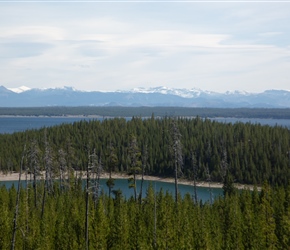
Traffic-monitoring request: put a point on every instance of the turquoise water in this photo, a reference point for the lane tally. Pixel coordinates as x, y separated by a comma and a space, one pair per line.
122, 184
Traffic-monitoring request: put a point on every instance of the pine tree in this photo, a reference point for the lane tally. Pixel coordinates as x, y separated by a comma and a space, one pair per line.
267, 221
135, 163
228, 185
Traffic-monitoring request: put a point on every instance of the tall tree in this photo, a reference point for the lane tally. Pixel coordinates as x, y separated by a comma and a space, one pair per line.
62, 168
266, 216
112, 163
34, 169
135, 163
48, 162
144, 165
17, 203
87, 201
194, 172
228, 184
96, 168
177, 154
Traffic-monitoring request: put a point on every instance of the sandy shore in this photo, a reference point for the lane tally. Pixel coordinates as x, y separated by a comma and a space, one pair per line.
15, 177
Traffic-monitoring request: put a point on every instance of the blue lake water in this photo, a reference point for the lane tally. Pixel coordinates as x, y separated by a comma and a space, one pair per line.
203, 193
10, 125
270, 122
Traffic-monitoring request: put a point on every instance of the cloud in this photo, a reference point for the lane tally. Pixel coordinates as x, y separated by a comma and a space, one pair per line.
22, 49
109, 46
35, 33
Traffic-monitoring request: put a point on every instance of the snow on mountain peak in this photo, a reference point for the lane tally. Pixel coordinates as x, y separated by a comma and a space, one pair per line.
237, 92
63, 88
19, 89
186, 93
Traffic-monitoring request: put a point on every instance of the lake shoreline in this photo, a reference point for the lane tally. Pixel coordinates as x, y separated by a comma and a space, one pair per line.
54, 116
15, 176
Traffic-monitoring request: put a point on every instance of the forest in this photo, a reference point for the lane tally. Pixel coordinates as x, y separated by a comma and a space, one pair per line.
251, 153
58, 212
68, 217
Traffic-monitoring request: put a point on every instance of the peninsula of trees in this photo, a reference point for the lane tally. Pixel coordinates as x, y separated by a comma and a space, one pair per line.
252, 153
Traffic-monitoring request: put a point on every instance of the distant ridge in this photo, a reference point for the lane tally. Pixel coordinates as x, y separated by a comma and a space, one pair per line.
158, 96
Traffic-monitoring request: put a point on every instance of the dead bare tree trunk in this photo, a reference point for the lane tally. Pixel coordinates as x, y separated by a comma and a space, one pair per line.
208, 153
69, 158
48, 160
113, 160
87, 210
97, 181
194, 170
62, 168
48, 186
177, 152
155, 218
96, 169
87, 202
134, 154
27, 200
209, 184
224, 165
34, 168
35, 186
144, 164
17, 205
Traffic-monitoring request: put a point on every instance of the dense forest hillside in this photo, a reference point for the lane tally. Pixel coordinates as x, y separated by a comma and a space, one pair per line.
250, 153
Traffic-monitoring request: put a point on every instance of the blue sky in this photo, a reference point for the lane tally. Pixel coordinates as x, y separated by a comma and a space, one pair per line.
216, 46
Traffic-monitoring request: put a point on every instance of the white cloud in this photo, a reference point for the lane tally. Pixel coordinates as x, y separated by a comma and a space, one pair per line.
120, 46
32, 33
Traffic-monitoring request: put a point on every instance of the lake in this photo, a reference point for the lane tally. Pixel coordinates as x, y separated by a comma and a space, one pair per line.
203, 193
10, 125
13, 124
270, 122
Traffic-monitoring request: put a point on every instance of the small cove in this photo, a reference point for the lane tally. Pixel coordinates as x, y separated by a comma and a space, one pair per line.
203, 193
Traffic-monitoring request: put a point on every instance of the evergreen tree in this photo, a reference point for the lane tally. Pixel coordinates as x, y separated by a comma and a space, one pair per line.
228, 185
135, 163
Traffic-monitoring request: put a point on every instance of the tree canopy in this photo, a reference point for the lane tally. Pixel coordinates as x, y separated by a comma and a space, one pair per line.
255, 153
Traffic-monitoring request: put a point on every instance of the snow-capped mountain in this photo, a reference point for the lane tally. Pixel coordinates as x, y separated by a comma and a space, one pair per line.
186, 93
20, 89
158, 96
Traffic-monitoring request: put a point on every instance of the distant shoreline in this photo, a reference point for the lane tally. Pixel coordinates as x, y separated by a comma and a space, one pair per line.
146, 111
54, 116
15, 177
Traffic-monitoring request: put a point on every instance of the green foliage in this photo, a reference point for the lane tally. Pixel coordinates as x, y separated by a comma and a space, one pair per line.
228, 186
244, 220
254, 153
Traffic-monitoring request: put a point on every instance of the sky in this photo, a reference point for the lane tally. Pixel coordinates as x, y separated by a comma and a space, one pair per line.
120, 45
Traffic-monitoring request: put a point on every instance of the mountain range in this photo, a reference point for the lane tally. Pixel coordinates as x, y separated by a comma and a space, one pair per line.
158, 96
